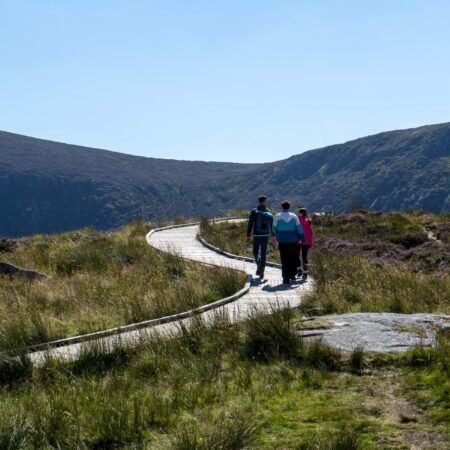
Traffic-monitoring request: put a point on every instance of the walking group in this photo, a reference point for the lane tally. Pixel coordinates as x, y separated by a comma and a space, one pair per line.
293, 233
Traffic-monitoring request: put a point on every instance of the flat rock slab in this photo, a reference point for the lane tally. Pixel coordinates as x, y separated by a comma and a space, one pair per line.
380, 332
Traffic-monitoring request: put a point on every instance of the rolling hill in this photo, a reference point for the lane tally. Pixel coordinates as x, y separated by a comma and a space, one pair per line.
48, 187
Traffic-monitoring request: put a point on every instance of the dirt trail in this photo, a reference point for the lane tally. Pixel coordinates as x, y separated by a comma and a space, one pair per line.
390, 399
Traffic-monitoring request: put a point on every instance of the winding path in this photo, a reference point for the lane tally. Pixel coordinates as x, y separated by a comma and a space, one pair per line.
375, 332
265, 295
262, 296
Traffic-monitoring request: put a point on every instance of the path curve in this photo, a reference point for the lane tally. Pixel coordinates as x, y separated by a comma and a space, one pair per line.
385, 332
264, 296
375, 332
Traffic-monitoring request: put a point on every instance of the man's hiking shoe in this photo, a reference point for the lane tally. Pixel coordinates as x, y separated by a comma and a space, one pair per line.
299, 272
261, 273
258, 270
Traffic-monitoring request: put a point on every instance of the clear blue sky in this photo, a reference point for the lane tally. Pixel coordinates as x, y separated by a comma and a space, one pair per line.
234, 80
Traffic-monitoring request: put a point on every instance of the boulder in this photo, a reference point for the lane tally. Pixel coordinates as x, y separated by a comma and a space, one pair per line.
16, 272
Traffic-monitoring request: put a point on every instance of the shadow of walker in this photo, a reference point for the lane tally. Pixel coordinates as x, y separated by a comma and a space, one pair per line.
283, 287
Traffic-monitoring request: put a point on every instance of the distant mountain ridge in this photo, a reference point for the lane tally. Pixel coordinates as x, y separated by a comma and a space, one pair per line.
48, 186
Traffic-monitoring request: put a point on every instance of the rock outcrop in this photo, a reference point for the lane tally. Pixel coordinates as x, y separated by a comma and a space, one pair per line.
16, 272
379, 332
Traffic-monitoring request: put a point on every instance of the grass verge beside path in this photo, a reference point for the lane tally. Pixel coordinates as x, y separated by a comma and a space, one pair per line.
254, 385
366, 261
99, 281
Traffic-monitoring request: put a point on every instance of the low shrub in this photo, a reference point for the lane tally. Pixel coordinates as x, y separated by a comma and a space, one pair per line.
272, 336
321, 356
357, 360
15, 368
234, 430
343, 439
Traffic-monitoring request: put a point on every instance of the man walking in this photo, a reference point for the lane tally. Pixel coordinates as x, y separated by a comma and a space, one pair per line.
288, 232
260, 226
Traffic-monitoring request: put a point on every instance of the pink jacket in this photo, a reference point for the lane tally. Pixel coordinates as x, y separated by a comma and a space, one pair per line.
305, 222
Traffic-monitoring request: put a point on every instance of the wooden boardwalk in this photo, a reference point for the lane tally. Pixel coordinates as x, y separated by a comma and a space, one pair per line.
263, 295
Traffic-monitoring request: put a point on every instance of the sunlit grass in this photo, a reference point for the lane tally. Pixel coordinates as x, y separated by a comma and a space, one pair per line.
98, 281
353, 284
349, 280
205, 389
254, 385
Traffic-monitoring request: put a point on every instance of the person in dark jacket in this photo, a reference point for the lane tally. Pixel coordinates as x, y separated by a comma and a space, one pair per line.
260, 226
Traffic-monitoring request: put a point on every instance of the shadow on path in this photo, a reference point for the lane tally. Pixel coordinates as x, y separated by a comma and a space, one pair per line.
283, 287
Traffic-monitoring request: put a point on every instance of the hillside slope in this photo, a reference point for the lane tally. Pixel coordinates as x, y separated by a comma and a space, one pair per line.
389, 171
48, 186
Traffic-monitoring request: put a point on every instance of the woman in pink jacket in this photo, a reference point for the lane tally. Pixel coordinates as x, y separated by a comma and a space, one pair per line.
305, 245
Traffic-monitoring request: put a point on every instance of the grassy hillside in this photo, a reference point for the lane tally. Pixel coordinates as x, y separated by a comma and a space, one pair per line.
52, 187
366, 261
99, 280
396, 170
255, 385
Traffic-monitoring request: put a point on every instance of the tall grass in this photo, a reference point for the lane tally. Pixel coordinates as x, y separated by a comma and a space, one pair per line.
14, 429
202, 390
232, 431
15, 368
254, 385
272, 336
357, 360
344, 439
352, 283
101, 280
